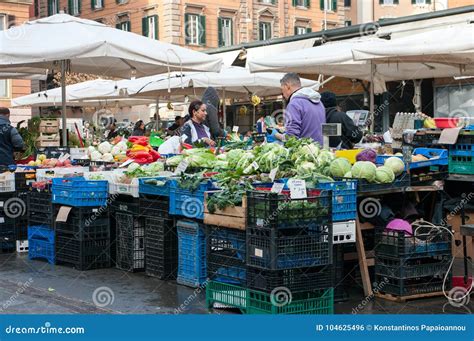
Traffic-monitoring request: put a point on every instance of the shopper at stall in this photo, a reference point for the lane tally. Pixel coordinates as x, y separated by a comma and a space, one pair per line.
304, 113
174, 129
211, 99
195, 129
139, 129
112, 132
10, 139
350, 133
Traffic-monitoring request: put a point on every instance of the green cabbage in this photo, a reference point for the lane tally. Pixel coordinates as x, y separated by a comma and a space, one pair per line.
395, 164
348, 175
340, 167
325, 157
306, 168
364, 170
384, 175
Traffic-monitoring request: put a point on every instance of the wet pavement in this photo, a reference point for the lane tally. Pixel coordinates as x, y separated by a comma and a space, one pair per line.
36, 287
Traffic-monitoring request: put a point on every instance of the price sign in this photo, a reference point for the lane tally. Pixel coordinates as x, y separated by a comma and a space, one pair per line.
235, 129
273, 173
277, 187
183, 165
297, 188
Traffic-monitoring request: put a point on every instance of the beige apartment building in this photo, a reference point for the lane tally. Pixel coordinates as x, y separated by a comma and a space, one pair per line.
205, 24
14, 12
363, 11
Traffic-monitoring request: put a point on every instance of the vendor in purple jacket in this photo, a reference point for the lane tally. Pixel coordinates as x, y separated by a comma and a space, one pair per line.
304, 113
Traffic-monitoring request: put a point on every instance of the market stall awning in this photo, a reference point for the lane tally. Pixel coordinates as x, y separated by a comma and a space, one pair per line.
453, 45
97, 93
24, 73
92, 47
236, 82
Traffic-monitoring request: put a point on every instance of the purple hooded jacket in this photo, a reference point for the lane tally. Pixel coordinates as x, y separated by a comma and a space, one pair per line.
305, 114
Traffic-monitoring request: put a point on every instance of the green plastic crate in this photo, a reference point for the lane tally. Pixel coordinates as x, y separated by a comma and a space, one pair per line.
461, 165
320, 302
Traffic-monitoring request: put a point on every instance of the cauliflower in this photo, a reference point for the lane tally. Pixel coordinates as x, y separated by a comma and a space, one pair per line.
96, 155
90, 150
115, 150
104, 147
122, 145
107, 157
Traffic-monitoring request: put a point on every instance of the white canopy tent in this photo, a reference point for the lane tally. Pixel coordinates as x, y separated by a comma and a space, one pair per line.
86, 46
96, 93
23, 73
231, 82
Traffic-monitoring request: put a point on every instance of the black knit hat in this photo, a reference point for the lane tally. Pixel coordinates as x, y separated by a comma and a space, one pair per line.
329, 99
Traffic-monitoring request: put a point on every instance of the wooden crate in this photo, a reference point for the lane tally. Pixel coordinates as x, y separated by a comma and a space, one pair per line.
455, 222
49, 126
48, 140
231, 217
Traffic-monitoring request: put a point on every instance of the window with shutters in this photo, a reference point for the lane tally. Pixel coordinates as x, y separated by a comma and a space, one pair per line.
225, 28
123, 25
74, 7
53, 7
271, 2
195, 29
120, 2
150, 26
265, 30
301, 3
348, 23
347, 3
388, 2
328, 5
302, 30
97, 4
421, 2
3, 82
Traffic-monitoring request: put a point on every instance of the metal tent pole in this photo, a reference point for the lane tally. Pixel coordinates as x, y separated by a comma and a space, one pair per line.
224, 109
372, 100
63, 100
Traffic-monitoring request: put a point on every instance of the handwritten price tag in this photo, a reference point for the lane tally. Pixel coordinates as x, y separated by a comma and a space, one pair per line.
277, 187
297, 188
183, 165
273, 173
235, 129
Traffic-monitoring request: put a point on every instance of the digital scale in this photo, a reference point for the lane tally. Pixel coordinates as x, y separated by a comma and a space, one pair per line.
330, 129
359, 117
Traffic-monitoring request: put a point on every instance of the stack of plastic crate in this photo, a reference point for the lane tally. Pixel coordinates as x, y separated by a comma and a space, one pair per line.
24, 177
407, 265
161, 241
192, 270
128, 239
461, 154
9, 209
41, 242
83, 239
288, 257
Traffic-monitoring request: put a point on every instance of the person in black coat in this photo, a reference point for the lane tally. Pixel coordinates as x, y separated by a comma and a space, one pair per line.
139, 129
210, 98
10, 139
350, 133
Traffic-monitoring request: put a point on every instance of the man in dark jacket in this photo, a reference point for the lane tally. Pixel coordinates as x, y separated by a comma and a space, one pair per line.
10, 139
210, 98
350, 133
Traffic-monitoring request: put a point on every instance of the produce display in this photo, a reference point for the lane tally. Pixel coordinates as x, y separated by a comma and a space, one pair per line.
43, 162
140, 151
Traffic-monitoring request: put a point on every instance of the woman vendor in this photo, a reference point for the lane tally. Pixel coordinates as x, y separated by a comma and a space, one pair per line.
195, 129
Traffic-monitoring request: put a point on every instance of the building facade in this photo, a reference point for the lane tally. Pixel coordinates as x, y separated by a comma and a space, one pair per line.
14, 12
205, 24
364, 11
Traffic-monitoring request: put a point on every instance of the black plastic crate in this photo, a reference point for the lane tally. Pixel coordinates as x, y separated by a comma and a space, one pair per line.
35, 218
154, 206
426, 139
273, 249
7, 236
426, 175
412, 267
40, 202
83, 254
267, 209
23, 180
85, 222
130, 243
126, 204
161, 248
413, 286
296, 280
226, 255
426, 243
363, 186
21, 215
340, 292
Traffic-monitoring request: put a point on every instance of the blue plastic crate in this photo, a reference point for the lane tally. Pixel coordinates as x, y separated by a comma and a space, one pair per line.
344, 198
189, 204
192, 270
79, 192
41, 249
41, 232
442, 160
461, 150
144, 188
